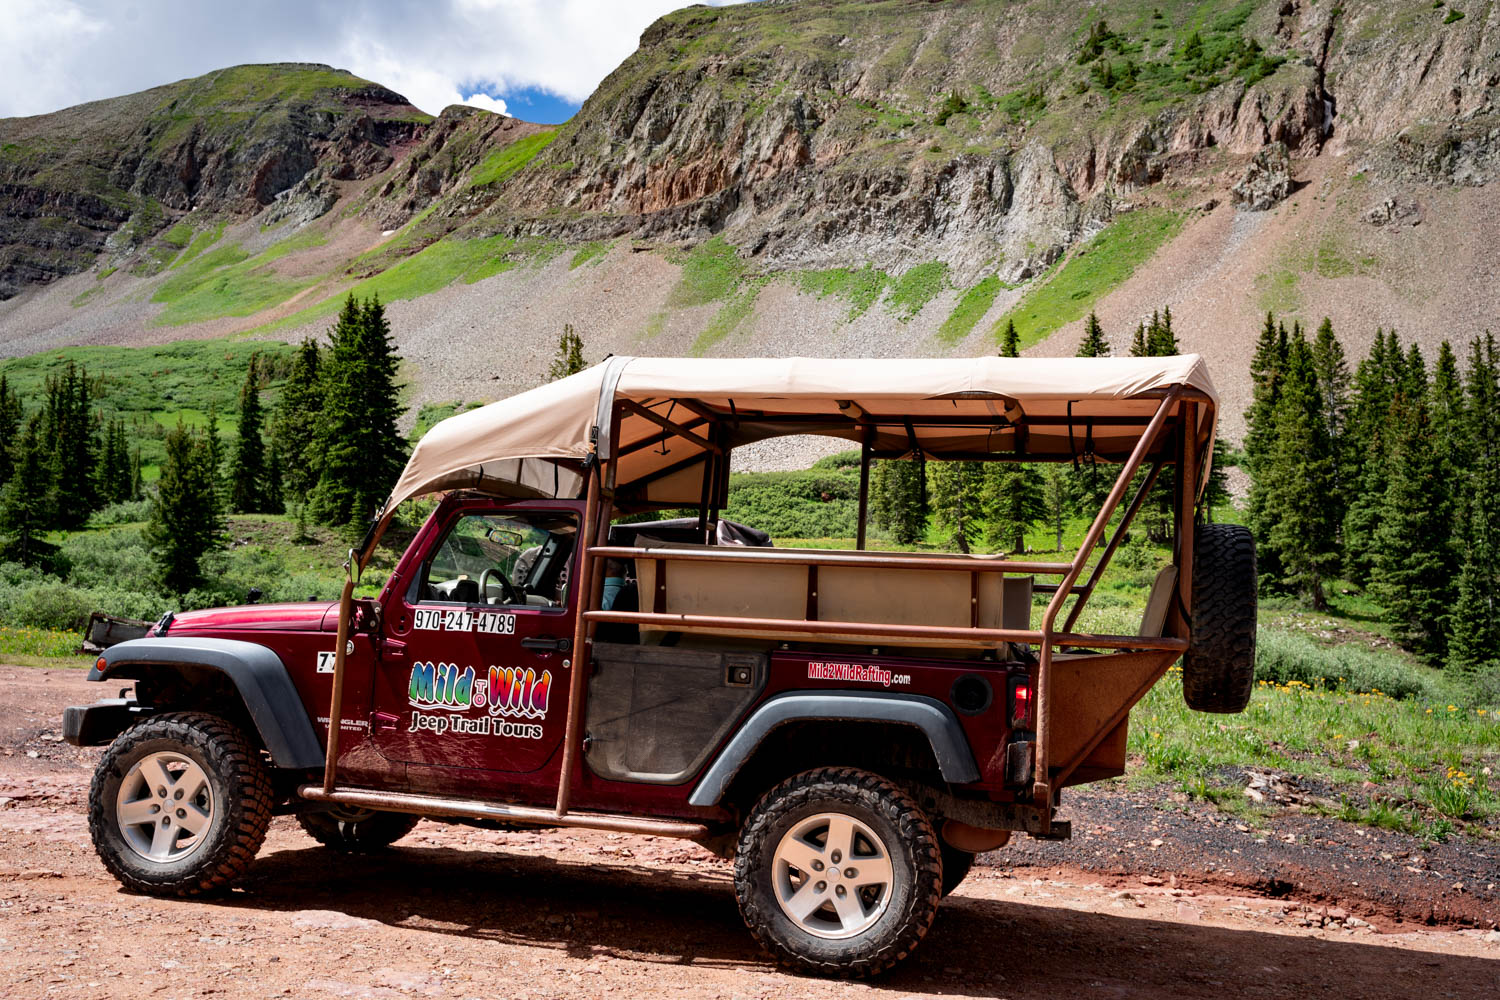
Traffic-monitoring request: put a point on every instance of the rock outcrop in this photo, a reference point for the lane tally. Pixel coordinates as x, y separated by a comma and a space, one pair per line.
1267, 180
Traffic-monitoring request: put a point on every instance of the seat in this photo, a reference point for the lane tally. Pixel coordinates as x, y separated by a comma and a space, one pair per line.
1160, 600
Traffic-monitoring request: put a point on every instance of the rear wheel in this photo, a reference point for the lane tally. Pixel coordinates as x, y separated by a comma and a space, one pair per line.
838, 872
1218, 670
356, 830
179, 805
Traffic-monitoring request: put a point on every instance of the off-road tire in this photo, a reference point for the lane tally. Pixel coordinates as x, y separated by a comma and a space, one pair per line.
1218, 670
908, 838
242, 797
956, 865
359, 833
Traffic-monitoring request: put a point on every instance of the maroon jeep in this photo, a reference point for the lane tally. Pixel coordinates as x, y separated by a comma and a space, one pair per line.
851, 727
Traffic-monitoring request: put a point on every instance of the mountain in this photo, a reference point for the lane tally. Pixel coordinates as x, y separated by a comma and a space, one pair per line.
859, 177
111, 175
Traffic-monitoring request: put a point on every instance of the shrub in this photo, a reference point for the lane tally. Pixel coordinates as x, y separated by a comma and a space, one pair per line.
1283, 656
114, 558
839, 460
817, 503
51, 605
953, 104
126, 512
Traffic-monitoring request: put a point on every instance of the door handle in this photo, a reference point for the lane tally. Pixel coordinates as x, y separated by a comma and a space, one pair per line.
546, 644
384, 720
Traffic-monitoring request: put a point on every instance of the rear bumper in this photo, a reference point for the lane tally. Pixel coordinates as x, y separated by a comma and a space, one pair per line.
98, 724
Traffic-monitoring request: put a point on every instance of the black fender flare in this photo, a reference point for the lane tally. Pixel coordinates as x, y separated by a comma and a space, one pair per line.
949, 745
256, 672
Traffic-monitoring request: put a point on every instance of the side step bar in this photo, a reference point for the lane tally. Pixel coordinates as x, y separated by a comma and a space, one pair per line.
434, 805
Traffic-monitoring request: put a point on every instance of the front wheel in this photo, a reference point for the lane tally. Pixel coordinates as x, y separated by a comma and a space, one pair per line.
838, 873
179, 805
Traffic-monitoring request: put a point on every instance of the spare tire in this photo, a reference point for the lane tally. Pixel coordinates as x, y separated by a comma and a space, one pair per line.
1218, 670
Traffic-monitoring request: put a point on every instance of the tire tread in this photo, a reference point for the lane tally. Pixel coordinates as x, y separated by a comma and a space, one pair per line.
1218, 670
877, 794
249, 813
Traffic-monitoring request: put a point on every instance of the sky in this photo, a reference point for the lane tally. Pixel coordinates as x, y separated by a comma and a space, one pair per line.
535, 59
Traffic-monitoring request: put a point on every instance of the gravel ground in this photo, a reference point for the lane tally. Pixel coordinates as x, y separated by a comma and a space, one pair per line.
458, 912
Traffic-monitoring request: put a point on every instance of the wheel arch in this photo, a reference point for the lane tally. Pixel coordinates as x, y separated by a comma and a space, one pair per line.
912, 732
252, 676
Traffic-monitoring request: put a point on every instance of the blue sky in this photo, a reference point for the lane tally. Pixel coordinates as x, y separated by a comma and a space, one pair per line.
542, 56
531, 103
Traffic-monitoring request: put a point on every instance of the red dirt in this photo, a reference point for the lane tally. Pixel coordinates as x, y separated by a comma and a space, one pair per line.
460, 912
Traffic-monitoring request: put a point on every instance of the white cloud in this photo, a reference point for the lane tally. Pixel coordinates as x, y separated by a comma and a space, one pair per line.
488, 103
54, 53
35, 74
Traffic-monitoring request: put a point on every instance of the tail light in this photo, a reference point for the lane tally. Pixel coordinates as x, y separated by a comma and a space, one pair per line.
1022, 700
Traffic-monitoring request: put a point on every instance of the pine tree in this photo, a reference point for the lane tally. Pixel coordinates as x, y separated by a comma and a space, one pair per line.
1216, 493
1449, 427
1161, 341
1294, 520
184, 520
1332, 369
247, 477
898, 499
114, 464
1265, 382
137, 485
1094, 344
26, 500
363, 455
275, 502
1010, 341
214, 456
1138, 344
68, 428
1267, 372
1367, 451
298, 419
569, 357
1474, 631
1012, 499
1056, 497
10, 425
956, 495
1415, 565
1014, 502
1086, 487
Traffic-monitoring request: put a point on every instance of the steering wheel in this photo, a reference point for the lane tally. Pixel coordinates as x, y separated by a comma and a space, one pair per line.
507, 589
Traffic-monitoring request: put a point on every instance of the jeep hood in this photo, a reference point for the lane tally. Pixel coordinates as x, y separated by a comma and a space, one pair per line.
303, 617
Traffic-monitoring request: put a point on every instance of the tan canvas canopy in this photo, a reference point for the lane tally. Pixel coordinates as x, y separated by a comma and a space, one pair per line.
667, 424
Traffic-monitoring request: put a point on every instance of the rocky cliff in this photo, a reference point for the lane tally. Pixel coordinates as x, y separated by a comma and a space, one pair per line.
824, 131
117, 173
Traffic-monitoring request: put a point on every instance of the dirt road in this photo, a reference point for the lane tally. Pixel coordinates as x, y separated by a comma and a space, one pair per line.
457, 912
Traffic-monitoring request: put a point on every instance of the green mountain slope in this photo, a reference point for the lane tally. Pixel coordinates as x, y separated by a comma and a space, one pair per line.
811, 176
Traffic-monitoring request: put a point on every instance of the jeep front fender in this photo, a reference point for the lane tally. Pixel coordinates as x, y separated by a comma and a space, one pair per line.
257, 674
949, 746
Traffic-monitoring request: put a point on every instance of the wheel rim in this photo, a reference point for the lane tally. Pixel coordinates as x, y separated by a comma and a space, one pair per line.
833, 876
349, 815
164, 806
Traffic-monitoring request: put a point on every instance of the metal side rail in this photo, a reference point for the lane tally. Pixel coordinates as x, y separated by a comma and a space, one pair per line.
436, 805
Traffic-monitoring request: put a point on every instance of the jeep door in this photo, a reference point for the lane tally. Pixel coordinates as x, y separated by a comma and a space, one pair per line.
474, 671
